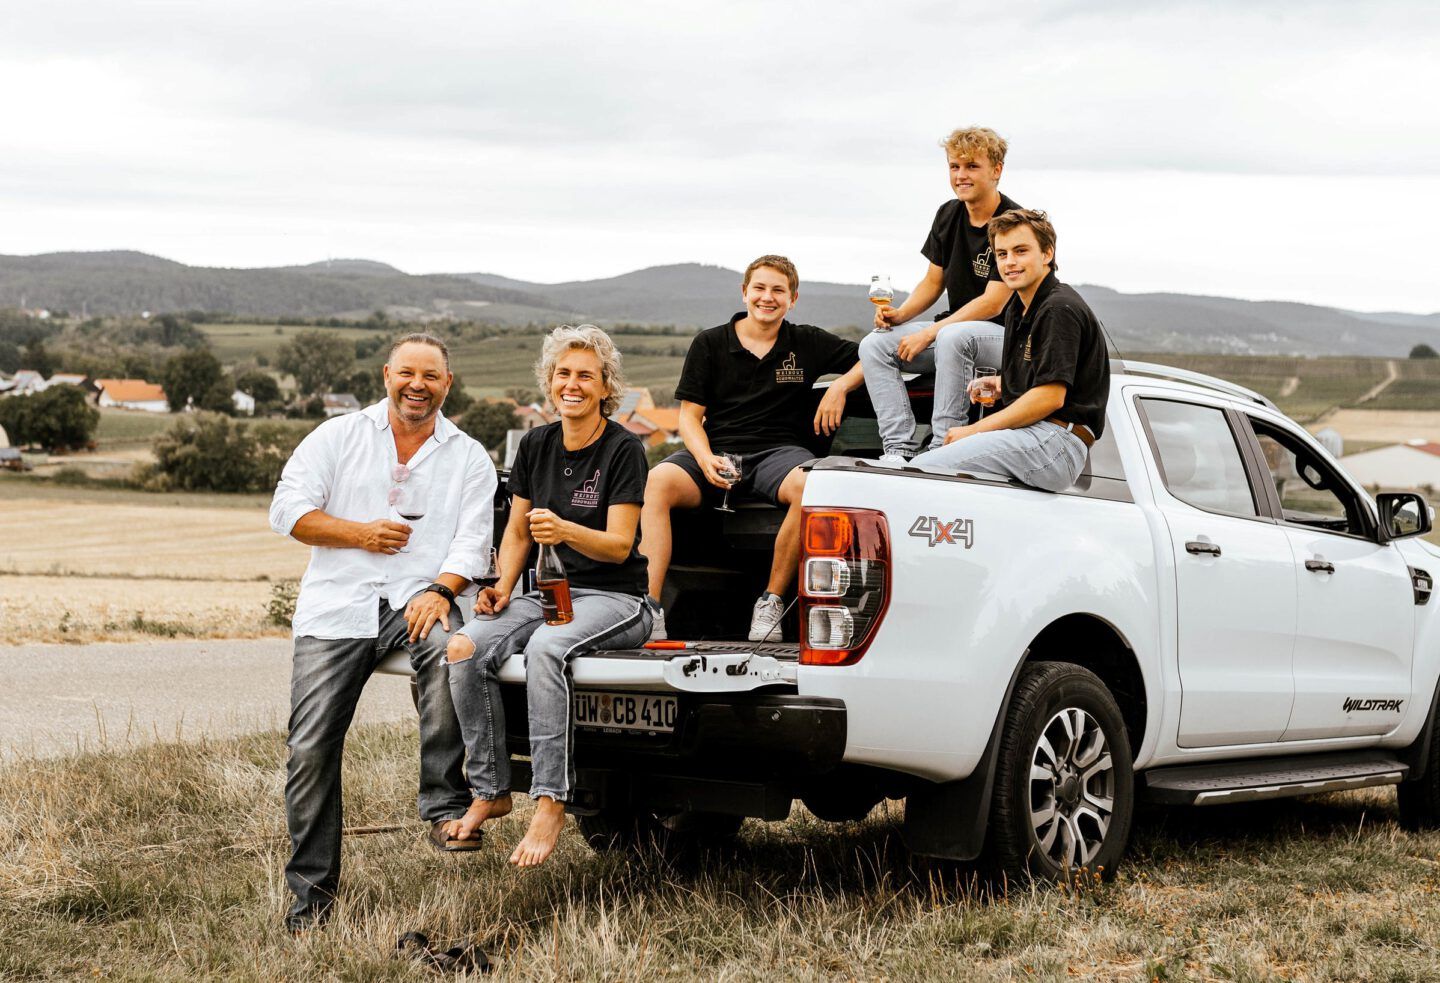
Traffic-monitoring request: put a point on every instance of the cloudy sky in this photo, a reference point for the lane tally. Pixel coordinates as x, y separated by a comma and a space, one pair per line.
1272, 149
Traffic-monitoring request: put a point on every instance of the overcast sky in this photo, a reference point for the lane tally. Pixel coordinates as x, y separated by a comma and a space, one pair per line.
1258, 149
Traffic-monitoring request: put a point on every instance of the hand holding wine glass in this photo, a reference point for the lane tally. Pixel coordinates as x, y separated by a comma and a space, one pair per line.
489, 600
730, 470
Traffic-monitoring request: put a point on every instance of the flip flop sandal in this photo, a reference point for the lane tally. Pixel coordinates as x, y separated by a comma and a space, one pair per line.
446, 844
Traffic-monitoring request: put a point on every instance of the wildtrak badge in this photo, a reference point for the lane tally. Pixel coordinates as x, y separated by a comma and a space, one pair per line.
1351, 705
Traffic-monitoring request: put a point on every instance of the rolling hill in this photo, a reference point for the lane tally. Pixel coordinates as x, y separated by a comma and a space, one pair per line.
687, 294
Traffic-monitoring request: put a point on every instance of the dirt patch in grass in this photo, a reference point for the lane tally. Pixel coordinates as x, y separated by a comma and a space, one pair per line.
167, 860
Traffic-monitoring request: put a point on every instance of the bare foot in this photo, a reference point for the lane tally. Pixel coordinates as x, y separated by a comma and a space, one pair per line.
480, 811
544, 832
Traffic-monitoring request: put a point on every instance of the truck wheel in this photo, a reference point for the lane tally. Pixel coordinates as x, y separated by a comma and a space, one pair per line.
1064, 786
636, 831
1419, 800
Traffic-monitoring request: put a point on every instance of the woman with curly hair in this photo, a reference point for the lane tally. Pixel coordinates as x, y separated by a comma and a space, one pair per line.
577, 484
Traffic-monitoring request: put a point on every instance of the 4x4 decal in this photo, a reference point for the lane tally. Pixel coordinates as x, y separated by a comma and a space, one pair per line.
937, 531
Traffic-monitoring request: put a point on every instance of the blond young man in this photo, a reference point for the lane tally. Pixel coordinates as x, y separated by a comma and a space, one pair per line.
968, 333
746, 389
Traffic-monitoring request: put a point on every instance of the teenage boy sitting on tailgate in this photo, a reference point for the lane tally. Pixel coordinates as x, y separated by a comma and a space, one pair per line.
1054, 375
746, 389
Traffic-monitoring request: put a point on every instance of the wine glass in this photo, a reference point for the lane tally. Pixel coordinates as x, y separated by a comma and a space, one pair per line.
489, 573
410, 499
986, 392
881, 294
730, 470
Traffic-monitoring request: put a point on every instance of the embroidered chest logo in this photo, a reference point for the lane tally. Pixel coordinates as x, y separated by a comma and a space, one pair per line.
588, 495
981, 263
788, 371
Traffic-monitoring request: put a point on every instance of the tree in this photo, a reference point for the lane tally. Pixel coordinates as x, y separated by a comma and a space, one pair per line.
191, 375
211, 452
260, 385
59, 418
458, 400
487, 423
317, 359
9, 356
1424, 351
366, 385
36, 357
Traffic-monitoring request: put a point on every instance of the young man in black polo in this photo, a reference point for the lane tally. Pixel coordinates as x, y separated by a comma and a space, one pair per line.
969, 333
1055, 371
746, 389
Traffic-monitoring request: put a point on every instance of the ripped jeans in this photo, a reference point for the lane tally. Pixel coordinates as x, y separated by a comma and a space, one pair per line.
603, 619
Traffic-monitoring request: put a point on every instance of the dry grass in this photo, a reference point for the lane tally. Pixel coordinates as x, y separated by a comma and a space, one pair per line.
165, 863
118, 609
130, 536
87, 565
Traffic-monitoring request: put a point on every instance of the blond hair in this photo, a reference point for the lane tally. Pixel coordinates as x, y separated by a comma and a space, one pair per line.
586, 337
974, 142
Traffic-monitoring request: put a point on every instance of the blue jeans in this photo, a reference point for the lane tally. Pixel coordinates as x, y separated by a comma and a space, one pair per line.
603, 619
1042, 455
325, 684
958, 348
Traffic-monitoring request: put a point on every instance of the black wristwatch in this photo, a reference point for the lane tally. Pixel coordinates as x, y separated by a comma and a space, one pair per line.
443, 591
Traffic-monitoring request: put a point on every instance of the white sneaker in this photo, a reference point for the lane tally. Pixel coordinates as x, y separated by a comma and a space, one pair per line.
765, 621
657, 624
892, 460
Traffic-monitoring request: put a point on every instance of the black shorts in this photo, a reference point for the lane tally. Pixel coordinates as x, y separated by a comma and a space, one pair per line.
761, 472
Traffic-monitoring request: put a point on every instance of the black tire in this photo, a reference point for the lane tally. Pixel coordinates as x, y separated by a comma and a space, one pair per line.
1419, 800
1057, 826
611, 830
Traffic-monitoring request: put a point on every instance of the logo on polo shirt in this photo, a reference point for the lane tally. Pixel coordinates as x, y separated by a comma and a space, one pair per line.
788, 372
587, 496
981, 263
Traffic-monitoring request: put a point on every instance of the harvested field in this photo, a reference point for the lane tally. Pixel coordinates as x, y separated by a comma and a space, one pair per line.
88, 565
166, 861
1382, 426
146, 536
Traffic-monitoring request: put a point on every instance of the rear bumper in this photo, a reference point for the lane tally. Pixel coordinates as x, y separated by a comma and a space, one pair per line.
732, 735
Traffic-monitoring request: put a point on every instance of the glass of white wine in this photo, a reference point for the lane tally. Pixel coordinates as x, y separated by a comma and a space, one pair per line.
882, 295
730, 470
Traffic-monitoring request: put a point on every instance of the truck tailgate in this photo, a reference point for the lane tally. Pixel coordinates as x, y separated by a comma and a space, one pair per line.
701, 667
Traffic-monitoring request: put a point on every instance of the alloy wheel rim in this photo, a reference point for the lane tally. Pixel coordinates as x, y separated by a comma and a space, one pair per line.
1072, 789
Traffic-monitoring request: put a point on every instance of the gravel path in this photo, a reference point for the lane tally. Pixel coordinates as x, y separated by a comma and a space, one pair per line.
61, 698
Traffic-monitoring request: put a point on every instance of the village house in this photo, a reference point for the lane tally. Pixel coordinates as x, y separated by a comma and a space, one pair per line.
1412, 465
132, 394
338, 404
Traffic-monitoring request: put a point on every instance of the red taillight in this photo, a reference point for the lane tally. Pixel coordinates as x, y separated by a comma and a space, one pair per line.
844, 583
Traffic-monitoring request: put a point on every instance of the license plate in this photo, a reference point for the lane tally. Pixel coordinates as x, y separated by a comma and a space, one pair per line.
652, 713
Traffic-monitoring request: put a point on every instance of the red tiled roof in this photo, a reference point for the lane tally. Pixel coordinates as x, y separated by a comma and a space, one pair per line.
131, 390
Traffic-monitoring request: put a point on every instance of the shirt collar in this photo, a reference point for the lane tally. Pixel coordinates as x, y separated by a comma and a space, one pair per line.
732, 337
379, 414
1046, 288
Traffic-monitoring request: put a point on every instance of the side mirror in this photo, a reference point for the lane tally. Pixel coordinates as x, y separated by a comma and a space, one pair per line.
1402, 515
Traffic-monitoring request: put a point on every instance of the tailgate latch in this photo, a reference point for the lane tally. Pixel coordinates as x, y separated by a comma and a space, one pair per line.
726, 673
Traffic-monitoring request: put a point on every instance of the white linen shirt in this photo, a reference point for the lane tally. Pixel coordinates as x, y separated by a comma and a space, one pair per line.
344, 467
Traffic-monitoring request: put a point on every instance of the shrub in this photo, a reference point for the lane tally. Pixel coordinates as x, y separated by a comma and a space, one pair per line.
57, 419
283, 594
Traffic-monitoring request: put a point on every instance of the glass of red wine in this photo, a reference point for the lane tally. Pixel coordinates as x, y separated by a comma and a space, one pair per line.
489, 573
409, 497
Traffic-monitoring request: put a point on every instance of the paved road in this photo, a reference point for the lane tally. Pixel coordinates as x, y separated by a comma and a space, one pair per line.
59, 698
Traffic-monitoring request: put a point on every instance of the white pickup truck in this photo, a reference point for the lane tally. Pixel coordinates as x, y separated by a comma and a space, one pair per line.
1214, 613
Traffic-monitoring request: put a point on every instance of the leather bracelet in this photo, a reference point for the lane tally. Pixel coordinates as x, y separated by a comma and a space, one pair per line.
443, 591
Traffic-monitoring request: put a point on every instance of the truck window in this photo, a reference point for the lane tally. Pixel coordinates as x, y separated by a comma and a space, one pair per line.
1200, 462
1309, 490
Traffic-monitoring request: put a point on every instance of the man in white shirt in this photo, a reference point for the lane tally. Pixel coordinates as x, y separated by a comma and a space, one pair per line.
375, 584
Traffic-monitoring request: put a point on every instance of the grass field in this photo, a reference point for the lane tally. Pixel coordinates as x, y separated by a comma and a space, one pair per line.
242, 342
130, 428
165, 862
82, 565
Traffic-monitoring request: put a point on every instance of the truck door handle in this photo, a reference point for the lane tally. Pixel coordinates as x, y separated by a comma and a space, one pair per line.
1319, 566
1196, 547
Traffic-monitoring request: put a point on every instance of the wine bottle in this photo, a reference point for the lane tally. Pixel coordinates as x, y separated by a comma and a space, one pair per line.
554, 586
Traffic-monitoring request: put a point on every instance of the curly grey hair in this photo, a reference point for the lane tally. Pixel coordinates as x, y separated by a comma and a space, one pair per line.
590, 338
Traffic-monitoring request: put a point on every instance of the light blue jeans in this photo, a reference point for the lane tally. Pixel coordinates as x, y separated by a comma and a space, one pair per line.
603, 619
958, 348
1042, 455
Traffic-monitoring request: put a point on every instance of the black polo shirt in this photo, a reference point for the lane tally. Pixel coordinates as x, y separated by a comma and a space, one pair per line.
963, 252
1058, 339
751, 403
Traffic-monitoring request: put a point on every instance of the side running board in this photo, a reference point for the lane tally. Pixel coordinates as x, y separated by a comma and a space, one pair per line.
1272, 778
